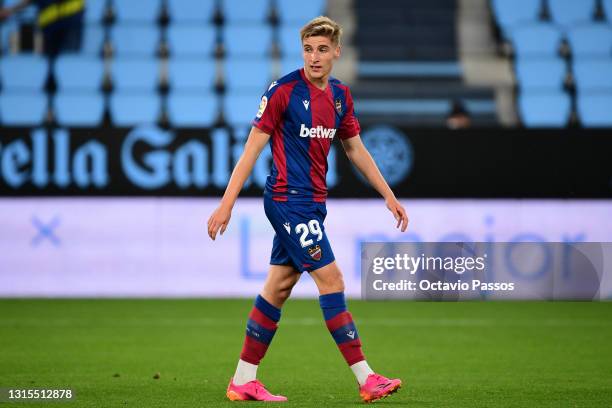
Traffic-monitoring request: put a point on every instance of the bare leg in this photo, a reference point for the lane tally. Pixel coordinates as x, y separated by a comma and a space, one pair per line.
279, 283
328, 279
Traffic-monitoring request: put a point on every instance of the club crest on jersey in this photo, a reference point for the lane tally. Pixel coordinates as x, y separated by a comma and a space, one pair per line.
262, 106
315, 252
339, 106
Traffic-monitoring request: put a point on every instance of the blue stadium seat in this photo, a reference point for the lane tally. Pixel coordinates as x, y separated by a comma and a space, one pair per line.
140, 11
593, 75
240, 11
593, 40
191, 11
23, 109
247, 41
540, 73
184, 40
130, 109
512, 12
289, 41
76, 72
239, 109
536, 40
595, 110
78, 109
197, 75
192, 110
135, 74
139, 40
247, 74
299, 12
544, 109
95, 11
93, 39
290, 64
23, 72
568, 12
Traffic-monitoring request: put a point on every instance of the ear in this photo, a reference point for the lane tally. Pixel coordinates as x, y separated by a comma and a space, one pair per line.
338, 51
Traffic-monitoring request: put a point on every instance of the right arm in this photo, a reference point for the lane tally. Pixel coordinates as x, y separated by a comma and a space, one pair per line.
6, 12
221, 216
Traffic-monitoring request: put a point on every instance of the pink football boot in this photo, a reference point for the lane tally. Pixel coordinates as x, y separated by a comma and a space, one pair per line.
377, 387
253, 390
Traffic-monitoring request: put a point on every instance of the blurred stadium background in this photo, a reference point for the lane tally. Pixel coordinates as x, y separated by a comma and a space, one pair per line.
180, 63
502, 106
492, 121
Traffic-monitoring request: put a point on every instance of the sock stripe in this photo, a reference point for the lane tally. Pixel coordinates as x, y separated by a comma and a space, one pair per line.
258, 332
257, 316
268, 309
261, 327
340, 324
351, 351
332, 304
253, 350
345, 333
342, 319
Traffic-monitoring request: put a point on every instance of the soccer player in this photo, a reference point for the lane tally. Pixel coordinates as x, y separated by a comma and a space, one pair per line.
300, 115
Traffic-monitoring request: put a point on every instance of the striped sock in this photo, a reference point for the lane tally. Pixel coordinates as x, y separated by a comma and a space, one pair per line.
261, 326
340, 324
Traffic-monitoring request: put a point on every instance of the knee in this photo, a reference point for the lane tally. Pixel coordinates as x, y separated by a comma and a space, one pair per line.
282, 292
334, 284
278, 293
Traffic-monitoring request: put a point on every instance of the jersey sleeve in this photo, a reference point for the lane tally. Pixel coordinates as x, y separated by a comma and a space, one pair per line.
273, 104
349, 126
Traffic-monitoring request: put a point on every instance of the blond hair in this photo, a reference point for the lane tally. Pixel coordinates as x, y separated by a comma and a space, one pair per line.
322, 26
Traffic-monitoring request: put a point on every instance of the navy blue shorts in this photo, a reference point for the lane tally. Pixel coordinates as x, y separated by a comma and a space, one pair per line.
300, 239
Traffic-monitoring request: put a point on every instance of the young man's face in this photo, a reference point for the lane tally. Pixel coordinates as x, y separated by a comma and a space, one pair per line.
319, 56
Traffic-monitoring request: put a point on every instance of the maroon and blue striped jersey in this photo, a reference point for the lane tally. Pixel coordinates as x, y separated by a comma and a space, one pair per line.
302, 121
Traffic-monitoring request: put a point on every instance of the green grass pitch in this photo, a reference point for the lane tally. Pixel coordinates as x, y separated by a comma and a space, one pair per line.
470, 354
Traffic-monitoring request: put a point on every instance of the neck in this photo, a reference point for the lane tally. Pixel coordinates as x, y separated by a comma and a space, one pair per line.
320, 83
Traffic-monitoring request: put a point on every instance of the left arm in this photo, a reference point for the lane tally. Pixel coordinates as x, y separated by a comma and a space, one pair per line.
361, 158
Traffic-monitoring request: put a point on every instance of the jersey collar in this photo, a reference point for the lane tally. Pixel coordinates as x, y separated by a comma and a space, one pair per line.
312, 86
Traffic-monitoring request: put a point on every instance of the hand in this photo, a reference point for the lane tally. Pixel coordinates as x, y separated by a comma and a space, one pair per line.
398, 212
219, 219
